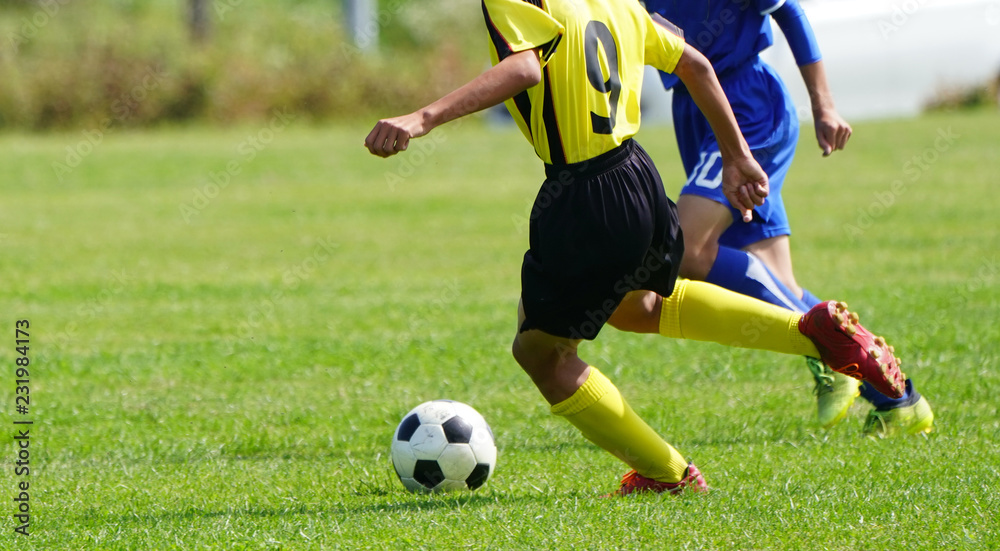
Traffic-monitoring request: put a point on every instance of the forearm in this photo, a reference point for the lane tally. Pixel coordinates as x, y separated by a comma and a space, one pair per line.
699, 78
832, 131
814, 77
513, 75
506, 79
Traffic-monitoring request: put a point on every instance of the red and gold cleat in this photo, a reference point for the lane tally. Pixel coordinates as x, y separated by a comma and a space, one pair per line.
634, 482
849, 348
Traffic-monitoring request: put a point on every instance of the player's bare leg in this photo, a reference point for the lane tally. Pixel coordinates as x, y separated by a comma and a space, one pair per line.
587, 399
551, 362
703, 222
638, 312
776, 253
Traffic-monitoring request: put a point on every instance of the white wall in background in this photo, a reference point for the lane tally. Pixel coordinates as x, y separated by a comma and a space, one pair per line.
884, 58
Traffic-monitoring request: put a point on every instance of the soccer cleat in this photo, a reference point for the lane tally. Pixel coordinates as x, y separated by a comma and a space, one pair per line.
915, 417
834, 393
852, 350
634, 482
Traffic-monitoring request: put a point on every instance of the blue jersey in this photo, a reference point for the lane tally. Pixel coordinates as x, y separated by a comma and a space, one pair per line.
729, 33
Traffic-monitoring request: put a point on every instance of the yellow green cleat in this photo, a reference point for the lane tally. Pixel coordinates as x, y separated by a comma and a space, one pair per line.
835, 393
916, 418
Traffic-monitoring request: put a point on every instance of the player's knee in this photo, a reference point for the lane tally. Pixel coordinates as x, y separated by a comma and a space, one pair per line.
537, 358
518, 352
528, 358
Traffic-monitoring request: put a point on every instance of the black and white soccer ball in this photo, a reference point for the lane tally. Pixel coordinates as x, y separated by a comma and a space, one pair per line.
443, 445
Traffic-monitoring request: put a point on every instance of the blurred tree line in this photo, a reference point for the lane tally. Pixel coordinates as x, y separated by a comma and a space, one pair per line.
86, 63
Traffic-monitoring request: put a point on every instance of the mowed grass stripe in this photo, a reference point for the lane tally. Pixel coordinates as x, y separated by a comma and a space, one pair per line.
232, 379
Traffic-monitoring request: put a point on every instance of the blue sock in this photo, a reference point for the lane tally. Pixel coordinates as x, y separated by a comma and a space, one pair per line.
744, 273
868, 392
883, 402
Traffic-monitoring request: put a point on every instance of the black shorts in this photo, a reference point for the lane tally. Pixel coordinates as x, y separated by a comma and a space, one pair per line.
599, 229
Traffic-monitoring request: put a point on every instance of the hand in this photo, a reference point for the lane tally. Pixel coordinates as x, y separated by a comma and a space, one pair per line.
744, 183
390, 136
832, 132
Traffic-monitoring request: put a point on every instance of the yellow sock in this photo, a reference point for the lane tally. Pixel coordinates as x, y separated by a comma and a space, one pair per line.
603, 416
704, 312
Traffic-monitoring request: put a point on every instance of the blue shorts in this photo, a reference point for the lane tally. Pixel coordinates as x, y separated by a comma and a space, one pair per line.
770, 125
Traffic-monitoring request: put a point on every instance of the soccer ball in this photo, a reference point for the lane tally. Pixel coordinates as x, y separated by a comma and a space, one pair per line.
442, 446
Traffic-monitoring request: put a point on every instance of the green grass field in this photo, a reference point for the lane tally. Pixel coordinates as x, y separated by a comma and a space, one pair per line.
222, 367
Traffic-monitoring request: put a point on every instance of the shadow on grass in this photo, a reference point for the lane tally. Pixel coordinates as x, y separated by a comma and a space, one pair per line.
432, 502
196, 513
552, 446
401, 503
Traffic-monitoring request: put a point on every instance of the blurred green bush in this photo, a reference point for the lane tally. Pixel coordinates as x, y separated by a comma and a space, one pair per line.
90, 63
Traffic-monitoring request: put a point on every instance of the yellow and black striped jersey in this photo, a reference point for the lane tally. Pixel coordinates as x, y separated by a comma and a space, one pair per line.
593, 53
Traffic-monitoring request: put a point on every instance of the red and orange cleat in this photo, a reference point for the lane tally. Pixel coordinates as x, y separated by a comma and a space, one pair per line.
848, 348
634, 482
